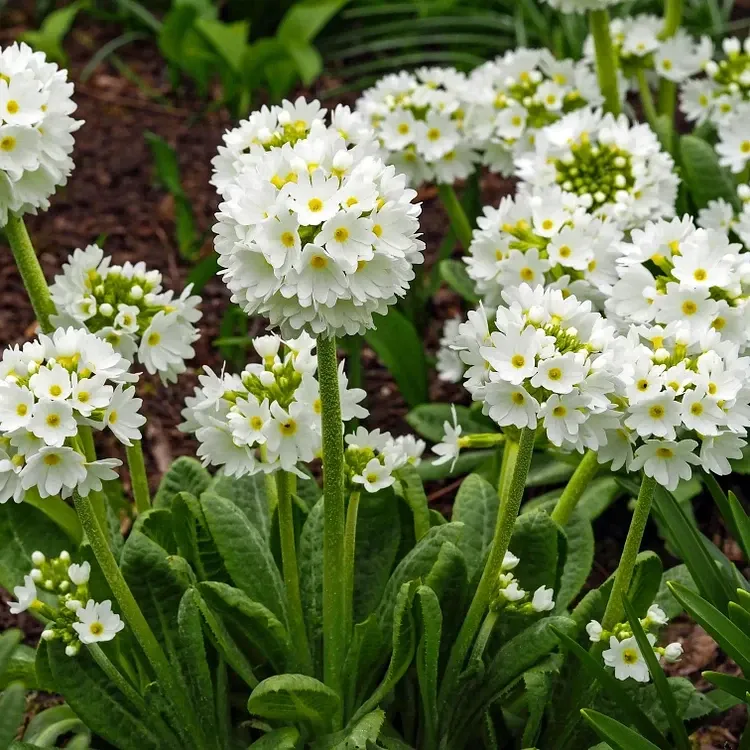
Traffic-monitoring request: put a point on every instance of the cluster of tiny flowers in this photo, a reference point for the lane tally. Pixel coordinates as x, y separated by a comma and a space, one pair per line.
543, 239
641, 47
613, 168
48, 388
372, 457
512, 97
549, 359
508, 594
419, 122
70, 622
581, 6
624, 655
724, 89
36, 130
126, 306
694, 279
720, 216
685, 404
315, 233
733, 146
268, 416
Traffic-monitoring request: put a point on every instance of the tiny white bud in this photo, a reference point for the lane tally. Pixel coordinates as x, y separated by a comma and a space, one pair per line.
49, 584
73, 605
510, 561
136, 292
36, 575
673, 652
342, 160
33, 367
71, 650
64, 586
150, 298
106, 310
594, 631
64, 556
48, 635
267, 378
38, 558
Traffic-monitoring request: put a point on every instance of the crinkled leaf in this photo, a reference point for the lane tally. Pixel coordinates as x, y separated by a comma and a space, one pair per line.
476, 507
52, 724
579, 558
664, 597
310, 561
705, 178
538, 541
429, 625
249, 494
285, 738
12, 707
410, 487
184, 475
361, 736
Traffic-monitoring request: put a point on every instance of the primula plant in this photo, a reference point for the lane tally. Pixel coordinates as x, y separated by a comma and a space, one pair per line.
290, 586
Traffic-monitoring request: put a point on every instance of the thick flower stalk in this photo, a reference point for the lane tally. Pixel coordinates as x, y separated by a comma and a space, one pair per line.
49, 389
269, 416
127, 307
612, 168
314, 233
36, 130
509, 99
70, 621
419, 123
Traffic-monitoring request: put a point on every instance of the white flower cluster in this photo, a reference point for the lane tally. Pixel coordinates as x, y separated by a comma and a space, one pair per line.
720, 215
581, 6
550, 359
48, 388
733, 146
449, 366
724, 89
624, 655
694, 280
509, 595
641, 46
36, 130
126, 306
372, 457
70, 622
615, 169
543, 239
315, 234
512, 97
419, 122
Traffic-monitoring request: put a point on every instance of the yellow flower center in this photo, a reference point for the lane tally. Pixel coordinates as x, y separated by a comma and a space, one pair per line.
630, 656
315, 204
664, 453
403, 128
377, 230
372, 478
22, 410
547, 224
689, 307
288, 428
12, 107
341, 234
565, 251
112, 417
52, 459
555, 373
559, 411
96, 628
518, 360
361, 264
745, 147
656, 411
287, 239
517, 398
351, 201
696, 409
516, 121
319, 262
700, 274
434, 133
83, 397
642, 385
256, 422
55, 390
712, 389
8, 143
153, 338
526, 273
53, 420
719, 324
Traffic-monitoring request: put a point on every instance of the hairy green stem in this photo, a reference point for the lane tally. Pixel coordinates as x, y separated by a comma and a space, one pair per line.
624, 574
647, 98
30, 270
584, 473
514, 470
350, 547
606, 60
291, 571
459, 221
138, 477
668, 89
334, 578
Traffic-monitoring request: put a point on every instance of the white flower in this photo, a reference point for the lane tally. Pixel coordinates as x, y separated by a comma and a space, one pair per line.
733, 147
594, 631
656, 616
449, 447
666, 461
657, 416
97, 472
510, 561
511, 405
717, 450
375, 476
53, 468
673, 652
25, 596
97, 623
626, 658
16, 407
580, 6
122, 417
543, 600
79, 574
53, 421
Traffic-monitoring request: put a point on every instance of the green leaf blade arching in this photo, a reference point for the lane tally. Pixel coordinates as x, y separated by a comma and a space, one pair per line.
184, 475
476, 507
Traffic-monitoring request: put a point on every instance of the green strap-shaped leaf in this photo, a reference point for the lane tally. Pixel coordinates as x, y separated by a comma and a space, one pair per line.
286, 738
8, 642
53, 723
248, 493
12, 707
579, 558
429, 618
448, 578
413, 493
454, 273
476, 507
742, 523
362, 735
618, 735
295, 699
246, 554
739, 687
185, 474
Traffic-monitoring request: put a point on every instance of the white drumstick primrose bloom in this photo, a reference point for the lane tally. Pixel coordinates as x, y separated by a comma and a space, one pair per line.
97, 623
127, 307
580, 6
36, 130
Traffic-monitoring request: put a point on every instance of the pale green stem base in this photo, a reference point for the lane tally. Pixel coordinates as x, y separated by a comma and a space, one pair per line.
138, 477
574, 489
606, 60
514, 470
350, 547
334, 577
615, 610
291, 572
459, 221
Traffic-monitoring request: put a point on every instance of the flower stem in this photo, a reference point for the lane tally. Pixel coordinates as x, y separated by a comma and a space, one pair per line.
668, 89
138, 477
606, 60
647, 98
334, 577
615, 610
30, 270
291, 571
515, 468
484, 636
584, 473
350, 545
459, 221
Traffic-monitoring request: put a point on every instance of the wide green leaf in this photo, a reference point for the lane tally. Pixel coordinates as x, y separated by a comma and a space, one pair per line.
184, 475
476, 507
12, 707
285, 738
539, 543
428, 420
410, 488
664, 597
249, 494
705, 178
618, 735
361, 735
579, 558
449, 579
9, 640
429, 625
52, 724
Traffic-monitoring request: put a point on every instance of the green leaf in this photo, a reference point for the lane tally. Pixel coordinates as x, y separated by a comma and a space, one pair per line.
467, 461
412, 491
249, 494
12, 707
598, 496
400, 349
228, 40
705, 178
732, 639
476, 507
23, 530
546, 469
736, 686
295, 698
742, 523
664, 597
615, 733
50, 725
184, 475
9, 640
246, 555
49, 37
157, 524
645, 582
20, 666
428, 420
537, 541
304, 20
449, 579
579, 558
361, 736
453, 272
429, 618
286, 738
307, 59
663, 690
311, 578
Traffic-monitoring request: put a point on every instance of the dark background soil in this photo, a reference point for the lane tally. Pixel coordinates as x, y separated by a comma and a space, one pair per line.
112, 193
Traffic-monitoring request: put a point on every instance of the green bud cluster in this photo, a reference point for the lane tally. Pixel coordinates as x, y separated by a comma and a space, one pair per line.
732, 70
281, 391
356, 459
290, 133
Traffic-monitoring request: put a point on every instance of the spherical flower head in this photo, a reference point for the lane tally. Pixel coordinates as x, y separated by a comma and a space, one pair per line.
580, 6
613, 169
127, 307
512, 97
547, 239
97, 623
267, 417
317, 234
36, 130
418, 120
